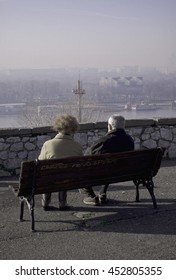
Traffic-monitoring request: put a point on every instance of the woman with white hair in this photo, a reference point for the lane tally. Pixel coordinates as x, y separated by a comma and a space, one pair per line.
115, 141
61, 146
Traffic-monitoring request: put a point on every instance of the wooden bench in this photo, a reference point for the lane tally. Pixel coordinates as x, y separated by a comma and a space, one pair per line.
44, 176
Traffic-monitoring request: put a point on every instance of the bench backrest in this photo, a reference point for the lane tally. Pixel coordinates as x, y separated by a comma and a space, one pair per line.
43, 176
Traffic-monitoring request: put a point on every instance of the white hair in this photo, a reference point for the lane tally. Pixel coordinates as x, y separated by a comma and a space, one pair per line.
116, 121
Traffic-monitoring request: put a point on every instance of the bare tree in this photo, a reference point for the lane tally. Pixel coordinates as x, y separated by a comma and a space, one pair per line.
37, 116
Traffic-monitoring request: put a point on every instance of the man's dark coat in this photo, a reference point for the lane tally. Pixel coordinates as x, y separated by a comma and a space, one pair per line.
114, 141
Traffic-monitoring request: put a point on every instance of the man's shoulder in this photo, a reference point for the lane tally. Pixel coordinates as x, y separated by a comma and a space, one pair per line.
97, 146
103, 138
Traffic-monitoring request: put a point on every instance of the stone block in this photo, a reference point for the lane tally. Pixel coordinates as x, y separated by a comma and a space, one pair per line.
25, 139
22, 155
163, 143
13, 163
137, 140
149, 130
149, 144
13, 139
33, 139
145, 136
29, 146
4, 146
16, 147
12, 155
4, 155
81, 138
32, 155
91, 140
136, 131
172, 151
156, 135
166, 133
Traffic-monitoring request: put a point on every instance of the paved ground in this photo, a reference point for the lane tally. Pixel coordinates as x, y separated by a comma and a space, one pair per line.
123, 229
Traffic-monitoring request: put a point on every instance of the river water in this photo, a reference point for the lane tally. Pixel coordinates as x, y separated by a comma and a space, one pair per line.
9, 121
14, 121
159, 113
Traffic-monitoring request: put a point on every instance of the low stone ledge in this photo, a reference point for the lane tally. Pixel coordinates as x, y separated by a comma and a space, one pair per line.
166, 121
42, 130
10, 131
24, 131
100, 125
86, 126
141, 122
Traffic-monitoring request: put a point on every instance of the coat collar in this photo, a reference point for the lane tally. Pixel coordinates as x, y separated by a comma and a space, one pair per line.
63, 136
116, 131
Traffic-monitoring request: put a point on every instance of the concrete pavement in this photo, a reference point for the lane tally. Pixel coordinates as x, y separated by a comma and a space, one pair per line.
123, 229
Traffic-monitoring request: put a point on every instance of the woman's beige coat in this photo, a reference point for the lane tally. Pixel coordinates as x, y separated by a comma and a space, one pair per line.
60, 146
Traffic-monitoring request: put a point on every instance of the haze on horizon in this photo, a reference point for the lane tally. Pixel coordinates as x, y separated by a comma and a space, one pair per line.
87, 33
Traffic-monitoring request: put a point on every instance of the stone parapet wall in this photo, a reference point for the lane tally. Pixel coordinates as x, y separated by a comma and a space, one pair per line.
17, 145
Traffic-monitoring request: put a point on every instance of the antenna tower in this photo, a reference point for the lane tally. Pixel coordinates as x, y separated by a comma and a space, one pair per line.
79, 92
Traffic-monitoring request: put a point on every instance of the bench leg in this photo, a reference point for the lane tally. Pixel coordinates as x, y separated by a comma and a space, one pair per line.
31, 205
137, 183
21, 209
150, 186
32, 220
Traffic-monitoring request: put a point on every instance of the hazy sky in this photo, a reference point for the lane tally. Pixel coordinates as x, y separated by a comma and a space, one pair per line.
87, 33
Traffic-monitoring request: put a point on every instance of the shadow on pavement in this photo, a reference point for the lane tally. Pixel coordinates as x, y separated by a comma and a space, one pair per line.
121, 217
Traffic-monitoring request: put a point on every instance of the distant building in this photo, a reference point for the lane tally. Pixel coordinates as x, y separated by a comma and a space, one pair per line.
123, 89
130, 81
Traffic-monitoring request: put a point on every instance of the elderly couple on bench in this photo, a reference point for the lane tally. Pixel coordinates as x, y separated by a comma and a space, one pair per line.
63, 145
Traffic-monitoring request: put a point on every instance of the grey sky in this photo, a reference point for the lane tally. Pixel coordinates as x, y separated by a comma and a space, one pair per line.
87, 33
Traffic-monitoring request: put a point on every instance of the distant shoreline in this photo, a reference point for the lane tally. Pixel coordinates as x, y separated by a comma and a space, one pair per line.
16, 121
